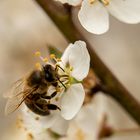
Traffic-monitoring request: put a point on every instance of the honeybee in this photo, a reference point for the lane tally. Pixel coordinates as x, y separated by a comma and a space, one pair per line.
32, 90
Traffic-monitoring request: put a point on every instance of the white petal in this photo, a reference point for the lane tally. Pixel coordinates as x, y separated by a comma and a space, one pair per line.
79, 59
61, 126
125, 10
38, 125
87, 118
71, 2
72, 101
94, 17
65, 56
90, 117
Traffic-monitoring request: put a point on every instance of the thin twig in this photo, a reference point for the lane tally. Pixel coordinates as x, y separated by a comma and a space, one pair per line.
62, 18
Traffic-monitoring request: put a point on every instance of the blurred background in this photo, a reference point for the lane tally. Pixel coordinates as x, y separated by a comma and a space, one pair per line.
25, 28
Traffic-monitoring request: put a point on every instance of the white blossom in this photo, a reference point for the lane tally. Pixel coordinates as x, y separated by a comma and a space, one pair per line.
90, 117
75, 62
94, 14
88, 122
76, 55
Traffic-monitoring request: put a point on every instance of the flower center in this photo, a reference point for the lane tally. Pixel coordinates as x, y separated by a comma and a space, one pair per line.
64, 71
65, 75
105, 2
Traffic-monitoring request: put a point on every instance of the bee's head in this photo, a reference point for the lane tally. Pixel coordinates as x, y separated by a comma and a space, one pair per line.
50, 73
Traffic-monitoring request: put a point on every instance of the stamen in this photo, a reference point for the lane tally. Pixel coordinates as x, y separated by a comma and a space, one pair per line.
52, 56
38, 53
71, 68
68, 84
91, 1
38, 66
64, 79
58, 59
45, 60
105, 2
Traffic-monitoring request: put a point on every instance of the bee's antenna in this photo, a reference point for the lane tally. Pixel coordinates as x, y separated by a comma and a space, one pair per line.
60, 68
62, 83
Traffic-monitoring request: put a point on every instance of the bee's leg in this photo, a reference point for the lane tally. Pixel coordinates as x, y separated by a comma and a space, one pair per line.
53, 107
41, 108
45, 106
42, 111
49, 97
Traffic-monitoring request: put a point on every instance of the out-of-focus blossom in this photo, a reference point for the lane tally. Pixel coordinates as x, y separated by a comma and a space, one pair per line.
88, 122
94, 16
71, 2
90, 118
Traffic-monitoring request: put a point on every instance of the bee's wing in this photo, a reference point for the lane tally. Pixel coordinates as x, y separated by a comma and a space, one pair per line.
14, 102
16, 89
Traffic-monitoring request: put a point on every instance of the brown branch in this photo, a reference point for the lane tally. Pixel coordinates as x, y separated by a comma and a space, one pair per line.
111, 86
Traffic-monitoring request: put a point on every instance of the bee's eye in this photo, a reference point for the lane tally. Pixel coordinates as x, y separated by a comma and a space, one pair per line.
49, 73
49, 77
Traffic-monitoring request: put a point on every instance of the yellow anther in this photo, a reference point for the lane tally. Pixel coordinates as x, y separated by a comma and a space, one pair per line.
52, 56
91, 1
57, 98
38, 66
38, 53
105, 2
58, 59
68, 85
45, 59
71, 68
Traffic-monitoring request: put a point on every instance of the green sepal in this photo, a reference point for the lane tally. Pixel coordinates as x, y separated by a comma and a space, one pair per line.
53, 50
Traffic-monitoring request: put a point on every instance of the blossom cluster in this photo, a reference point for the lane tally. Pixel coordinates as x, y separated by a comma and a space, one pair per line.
94, 16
